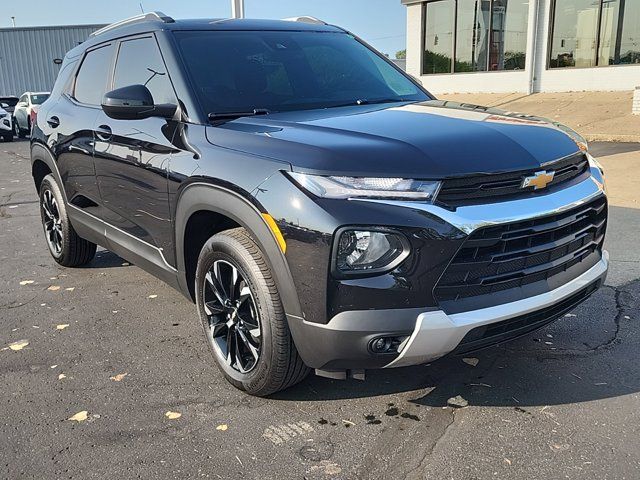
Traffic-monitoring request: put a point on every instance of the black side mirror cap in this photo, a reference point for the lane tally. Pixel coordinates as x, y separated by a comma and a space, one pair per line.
134, 102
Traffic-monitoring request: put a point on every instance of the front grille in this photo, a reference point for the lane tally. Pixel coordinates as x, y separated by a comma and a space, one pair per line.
467, 190
513, 255
493, 333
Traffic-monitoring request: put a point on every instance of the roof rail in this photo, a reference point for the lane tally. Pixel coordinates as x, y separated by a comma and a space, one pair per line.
145, 17
306, 19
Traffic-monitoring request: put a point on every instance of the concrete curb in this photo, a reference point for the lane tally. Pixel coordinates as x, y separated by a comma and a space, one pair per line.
606, 137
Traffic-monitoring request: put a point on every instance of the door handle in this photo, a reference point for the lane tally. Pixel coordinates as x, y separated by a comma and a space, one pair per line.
104, 133
54, 122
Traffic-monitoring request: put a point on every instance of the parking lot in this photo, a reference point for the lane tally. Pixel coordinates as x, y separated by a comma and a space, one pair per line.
113, 341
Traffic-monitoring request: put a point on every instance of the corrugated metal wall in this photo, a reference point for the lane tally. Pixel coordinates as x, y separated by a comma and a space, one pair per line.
27, 54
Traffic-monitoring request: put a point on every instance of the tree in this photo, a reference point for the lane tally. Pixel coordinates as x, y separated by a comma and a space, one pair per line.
401, 55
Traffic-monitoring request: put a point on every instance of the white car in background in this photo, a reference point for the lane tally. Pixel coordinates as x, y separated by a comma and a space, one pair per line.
6, 128
26, 110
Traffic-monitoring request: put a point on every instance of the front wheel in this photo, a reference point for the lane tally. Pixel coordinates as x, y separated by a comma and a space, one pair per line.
65, 245
8, 138
243, 318
17, 130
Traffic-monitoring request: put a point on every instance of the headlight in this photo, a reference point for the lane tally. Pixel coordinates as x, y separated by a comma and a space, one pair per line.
360, 187
595, 163
374, 251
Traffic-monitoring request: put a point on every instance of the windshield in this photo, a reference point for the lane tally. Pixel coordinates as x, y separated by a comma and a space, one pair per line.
39, 98
11, 101
239, 71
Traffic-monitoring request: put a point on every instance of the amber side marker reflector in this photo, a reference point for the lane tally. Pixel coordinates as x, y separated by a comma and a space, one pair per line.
276, 231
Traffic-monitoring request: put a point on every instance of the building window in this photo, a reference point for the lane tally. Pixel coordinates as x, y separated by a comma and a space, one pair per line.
474, 35
438, 36
589, 33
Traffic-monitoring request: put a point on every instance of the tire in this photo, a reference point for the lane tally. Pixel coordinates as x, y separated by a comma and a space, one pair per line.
65, 245
17, 130
256, 303
8, 138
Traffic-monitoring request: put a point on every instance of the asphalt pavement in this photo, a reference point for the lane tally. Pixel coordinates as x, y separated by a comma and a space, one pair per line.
123, 353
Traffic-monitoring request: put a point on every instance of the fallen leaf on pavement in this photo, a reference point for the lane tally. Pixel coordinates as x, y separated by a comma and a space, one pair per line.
153, 296
79, 417
223, 427
19, 345
507, 461
457, 402
471, 361
53, 366
62, 326
61, 376
172, 415
70, 289
26, 282
53, 288
118, 377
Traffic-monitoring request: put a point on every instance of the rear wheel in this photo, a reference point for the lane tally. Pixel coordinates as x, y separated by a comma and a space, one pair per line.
243, 318
8, 137
65, 245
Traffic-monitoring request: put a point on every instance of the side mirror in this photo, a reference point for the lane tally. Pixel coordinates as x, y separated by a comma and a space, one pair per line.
4, 105
134, 102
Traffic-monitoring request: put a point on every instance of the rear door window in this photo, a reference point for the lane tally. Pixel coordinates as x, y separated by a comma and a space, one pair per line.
93, 77
140, 63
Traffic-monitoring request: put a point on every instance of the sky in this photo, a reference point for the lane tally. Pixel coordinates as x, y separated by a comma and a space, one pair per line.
382, 23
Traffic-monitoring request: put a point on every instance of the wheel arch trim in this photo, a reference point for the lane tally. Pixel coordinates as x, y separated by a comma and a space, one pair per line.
41, 153
202, 196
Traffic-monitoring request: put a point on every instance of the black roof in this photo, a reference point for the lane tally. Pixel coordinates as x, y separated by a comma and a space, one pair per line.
229, 24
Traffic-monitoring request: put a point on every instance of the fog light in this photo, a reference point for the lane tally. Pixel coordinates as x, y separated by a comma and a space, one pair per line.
383, 345
369, 251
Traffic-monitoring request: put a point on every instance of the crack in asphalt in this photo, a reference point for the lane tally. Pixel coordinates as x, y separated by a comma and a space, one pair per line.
432, 447
18, 203
624, 299
619, 294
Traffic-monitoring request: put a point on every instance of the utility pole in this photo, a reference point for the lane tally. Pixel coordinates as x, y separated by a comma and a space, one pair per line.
13, 22
237, 8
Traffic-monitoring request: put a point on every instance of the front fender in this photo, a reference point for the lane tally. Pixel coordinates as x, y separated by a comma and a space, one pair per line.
200, 196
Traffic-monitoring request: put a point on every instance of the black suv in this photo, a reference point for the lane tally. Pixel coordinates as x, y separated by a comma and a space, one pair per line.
320, 207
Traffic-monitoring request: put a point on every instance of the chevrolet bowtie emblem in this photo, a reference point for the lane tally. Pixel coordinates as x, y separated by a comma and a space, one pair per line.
538, 180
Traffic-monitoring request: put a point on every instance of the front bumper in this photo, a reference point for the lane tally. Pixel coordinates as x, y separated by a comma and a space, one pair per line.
343, 343
427, 333
436, 333
5, 125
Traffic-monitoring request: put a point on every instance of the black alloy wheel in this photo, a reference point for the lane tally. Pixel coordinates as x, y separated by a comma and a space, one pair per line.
233, 320
52, 222
242, 315
65, 245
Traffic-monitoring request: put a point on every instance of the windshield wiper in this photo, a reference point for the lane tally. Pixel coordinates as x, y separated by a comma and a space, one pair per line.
227, 116
364, 101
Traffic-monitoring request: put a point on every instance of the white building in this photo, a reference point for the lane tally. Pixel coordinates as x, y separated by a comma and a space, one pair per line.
496, 46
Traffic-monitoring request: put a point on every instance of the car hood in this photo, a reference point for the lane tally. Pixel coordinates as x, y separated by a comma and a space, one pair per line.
433, 139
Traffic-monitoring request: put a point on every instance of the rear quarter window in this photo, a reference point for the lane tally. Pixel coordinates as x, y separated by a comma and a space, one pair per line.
93, 76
